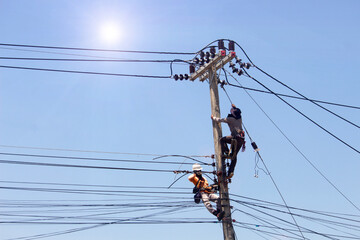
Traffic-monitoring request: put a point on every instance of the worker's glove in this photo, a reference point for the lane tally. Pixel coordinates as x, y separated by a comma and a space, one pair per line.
215, 187
195, 190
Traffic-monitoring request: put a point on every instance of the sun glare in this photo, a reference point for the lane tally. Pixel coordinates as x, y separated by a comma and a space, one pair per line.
110, 32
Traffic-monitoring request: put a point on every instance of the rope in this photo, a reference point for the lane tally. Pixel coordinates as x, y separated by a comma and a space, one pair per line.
222, 86
267, 170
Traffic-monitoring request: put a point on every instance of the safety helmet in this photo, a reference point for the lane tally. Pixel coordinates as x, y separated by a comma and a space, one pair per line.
235, 112
196, 167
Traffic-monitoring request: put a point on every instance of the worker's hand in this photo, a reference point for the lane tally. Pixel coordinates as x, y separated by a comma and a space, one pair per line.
212, 117
195, 190
233, 105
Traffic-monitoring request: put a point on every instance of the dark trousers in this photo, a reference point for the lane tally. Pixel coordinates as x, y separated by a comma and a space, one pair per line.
224, 148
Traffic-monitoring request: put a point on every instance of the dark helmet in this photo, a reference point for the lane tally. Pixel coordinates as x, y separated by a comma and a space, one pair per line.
235, 112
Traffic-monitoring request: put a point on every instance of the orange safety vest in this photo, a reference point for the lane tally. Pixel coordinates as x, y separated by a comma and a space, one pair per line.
203, 184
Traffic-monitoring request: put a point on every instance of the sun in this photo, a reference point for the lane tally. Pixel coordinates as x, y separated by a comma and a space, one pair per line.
110, 32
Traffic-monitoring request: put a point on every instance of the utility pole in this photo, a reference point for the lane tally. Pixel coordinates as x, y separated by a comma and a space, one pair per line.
208, 71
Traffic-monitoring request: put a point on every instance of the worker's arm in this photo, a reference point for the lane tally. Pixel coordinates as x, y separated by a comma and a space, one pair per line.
216, 119
192, 178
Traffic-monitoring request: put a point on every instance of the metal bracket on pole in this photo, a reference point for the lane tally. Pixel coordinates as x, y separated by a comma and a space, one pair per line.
219, 65
217, 62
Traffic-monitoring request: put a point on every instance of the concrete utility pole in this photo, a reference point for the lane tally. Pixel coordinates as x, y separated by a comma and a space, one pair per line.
204, 72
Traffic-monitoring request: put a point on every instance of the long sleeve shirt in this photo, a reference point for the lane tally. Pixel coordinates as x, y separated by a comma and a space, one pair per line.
235, 125
202, 184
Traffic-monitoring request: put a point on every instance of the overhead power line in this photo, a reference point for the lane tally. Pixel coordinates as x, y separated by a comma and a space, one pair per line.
95, 151
98, 222
268, 203
327, 235
89, 60
309, 218
293, 90
84, 72
272, 179
301, 113
290, 96
94, 49
38, 236
293, 144
92, 167
89, 190
307, 98
100, 159
89, 185
270, 174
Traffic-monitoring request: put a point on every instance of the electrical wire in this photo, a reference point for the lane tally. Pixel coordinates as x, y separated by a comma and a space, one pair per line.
38, 236
86, 166
93, 151
267, 222
283, 84
331, 236
324, 235
328, 214
342, 118
230, 100
308, 218
102, 159
91, 60
83, 72
87, 190
267, 232
93, 49
295, 97
297, 149
272, 179
187, 157
88, 185
308, 118
134, 222
311, 218
174, 61
277, 188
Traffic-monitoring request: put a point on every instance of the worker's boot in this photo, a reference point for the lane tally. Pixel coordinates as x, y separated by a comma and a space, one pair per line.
225, 154
220, 215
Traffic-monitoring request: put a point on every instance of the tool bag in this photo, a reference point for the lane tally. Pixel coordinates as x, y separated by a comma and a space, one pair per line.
197, 197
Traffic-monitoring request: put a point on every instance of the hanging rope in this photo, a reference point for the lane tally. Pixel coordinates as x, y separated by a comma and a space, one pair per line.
222, 86
267, 171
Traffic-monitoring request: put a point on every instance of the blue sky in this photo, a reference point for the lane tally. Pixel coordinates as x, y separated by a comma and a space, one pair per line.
312, 46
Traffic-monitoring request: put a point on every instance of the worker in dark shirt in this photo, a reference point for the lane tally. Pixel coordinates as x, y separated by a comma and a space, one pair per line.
234, 122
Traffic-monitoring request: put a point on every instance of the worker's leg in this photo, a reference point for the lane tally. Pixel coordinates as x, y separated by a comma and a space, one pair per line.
215, 198
206, 200
240, 142
223, 144
218, 213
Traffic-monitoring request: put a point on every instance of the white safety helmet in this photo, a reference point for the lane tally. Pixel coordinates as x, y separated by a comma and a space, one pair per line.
196, 167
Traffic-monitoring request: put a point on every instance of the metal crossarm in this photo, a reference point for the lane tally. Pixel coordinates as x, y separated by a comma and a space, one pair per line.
218, 61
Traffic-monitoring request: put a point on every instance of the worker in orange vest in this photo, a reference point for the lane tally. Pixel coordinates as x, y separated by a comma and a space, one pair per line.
206, 192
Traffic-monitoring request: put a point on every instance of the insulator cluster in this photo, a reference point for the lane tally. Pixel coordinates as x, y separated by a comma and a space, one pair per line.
242, 65
205, 57
181, 77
